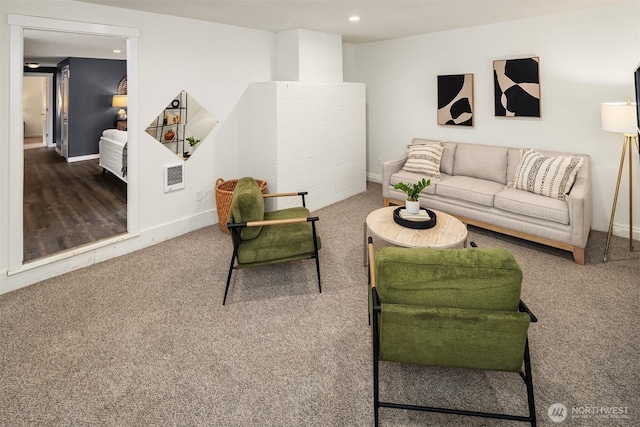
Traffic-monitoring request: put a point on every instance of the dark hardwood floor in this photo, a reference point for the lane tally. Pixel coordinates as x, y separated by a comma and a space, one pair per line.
67, 205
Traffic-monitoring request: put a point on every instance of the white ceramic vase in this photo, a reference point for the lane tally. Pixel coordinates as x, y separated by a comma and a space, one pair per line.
413, 207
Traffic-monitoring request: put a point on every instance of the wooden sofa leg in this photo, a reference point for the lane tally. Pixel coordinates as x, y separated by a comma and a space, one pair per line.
578, 255
386, 202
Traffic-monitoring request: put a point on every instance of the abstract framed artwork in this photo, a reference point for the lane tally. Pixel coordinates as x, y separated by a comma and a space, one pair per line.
455, 100
516, 85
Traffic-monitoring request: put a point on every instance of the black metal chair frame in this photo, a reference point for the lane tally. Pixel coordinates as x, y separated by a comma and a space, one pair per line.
236, 231
377, 403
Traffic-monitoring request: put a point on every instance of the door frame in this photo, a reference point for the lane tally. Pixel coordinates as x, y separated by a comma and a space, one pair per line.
17, 24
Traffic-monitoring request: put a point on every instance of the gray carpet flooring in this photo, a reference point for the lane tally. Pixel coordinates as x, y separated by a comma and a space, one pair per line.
144, 340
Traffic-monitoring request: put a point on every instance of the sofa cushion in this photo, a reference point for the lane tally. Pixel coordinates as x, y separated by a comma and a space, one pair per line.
247, 204
424, 159
546, 175
481, 161
413, 178
448, 156
474, 190
533, 205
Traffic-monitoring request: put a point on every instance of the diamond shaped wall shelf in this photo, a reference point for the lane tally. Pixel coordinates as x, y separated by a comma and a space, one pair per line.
182, 125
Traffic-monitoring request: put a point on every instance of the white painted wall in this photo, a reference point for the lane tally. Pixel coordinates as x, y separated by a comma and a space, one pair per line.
214, 63
586, 58
320, 57
287, 55
308, 56
308, 137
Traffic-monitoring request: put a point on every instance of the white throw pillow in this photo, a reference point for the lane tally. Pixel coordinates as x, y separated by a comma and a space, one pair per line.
546, 175
424, 159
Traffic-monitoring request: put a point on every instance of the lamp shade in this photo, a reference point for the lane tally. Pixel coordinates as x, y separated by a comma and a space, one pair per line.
619, 117
119, 101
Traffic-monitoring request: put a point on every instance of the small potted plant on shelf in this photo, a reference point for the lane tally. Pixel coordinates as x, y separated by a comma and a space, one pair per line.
192, 144
413, 194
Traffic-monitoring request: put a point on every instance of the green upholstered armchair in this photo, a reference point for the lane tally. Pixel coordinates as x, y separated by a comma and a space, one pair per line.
262, 238
449, 307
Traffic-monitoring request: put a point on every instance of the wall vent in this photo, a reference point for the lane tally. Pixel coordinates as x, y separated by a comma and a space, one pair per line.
173, 177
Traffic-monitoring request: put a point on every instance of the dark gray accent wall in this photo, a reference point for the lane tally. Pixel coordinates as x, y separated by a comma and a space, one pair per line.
92, 83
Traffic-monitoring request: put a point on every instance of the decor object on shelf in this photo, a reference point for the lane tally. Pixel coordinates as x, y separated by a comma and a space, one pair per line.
193, 142
263, 238
455, 100
169, 135
453, 308
182, 116
620, 117
517, 87
413, 194
473, 188
120, 101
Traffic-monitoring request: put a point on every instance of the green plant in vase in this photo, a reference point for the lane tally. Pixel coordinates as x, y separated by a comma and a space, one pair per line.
193, 141
413, 193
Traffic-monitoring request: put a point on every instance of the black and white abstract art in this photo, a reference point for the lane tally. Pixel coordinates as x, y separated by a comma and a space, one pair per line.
517, 87
455, 100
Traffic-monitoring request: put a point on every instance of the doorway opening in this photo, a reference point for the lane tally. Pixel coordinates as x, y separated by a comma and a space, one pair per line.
33, 175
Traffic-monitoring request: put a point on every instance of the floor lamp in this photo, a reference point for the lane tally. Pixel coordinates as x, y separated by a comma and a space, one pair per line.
620, 117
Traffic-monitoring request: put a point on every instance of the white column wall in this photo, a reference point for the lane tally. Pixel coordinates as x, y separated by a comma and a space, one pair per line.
319, 134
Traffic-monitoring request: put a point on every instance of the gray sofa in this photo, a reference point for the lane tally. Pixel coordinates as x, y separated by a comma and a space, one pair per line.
473, 187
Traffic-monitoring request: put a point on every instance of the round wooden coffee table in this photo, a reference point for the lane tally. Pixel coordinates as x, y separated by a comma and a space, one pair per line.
448, 232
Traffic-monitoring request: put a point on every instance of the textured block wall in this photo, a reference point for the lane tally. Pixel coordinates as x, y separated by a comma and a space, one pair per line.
316, 142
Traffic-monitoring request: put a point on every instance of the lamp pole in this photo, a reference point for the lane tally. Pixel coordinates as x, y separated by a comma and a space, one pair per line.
629, 138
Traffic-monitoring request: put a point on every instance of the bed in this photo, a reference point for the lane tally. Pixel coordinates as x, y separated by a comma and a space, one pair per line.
113, 152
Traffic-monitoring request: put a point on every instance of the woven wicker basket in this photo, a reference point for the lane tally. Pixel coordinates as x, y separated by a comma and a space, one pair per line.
224, 194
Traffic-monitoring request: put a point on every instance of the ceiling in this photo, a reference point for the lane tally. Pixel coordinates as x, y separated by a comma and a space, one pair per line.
48, 48
380, 19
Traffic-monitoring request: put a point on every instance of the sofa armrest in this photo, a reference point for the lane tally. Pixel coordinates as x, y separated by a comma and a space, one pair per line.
581, 210
389, 168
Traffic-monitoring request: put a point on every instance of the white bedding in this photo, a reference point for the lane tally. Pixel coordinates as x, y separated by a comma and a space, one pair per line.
111, 153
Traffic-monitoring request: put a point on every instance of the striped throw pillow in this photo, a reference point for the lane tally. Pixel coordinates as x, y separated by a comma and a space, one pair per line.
545, 175
424, 159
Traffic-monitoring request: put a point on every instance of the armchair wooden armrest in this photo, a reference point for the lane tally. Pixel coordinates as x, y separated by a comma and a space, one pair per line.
272, 222
299, 193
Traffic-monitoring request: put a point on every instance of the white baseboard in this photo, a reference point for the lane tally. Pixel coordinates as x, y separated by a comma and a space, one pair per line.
623, 231
374, 178
85, 256
82, 158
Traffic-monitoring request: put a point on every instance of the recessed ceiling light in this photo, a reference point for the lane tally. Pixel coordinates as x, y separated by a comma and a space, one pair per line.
32, 64
116, 51
354, 18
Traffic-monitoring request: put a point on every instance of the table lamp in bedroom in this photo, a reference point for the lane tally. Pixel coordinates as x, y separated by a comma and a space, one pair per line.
121, 102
